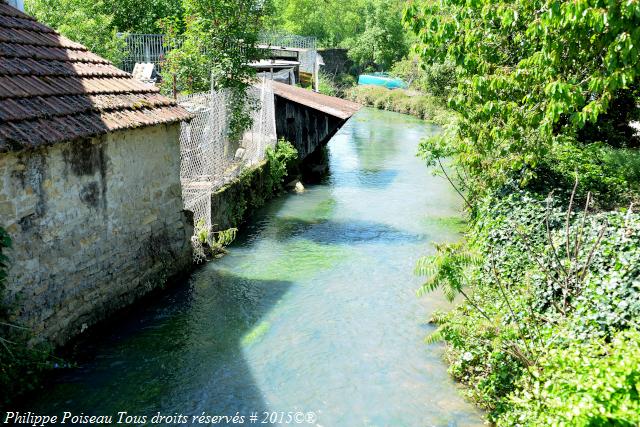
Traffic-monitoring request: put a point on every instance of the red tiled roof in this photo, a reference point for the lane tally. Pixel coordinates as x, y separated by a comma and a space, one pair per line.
53, 89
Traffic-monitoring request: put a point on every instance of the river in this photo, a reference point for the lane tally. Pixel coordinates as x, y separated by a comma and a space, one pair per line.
312, 311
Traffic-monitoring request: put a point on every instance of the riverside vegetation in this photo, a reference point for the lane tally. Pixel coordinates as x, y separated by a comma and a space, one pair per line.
537, 141
423, 106
543, 154
425, 98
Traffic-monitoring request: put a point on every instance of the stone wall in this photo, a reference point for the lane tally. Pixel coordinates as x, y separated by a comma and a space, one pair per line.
233, 203
95, 224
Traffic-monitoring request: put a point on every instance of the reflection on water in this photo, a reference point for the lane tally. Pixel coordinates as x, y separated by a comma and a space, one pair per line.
314, 309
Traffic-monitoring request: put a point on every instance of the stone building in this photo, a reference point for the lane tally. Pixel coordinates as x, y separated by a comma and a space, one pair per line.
89, 181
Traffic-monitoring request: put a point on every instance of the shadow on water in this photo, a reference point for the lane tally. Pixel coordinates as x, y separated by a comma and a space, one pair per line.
182, 354
314, 307
325, 231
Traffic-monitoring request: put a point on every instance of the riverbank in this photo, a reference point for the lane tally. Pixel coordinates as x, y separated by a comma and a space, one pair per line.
317, 289
422, 106
23, 365
548, 334
548, 274
545, 334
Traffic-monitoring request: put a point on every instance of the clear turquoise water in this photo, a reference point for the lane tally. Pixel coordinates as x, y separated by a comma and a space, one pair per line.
313, 309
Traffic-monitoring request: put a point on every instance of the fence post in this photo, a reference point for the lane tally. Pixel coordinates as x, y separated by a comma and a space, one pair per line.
175, 87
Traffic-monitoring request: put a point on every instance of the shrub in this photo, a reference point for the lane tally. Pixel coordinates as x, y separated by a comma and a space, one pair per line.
550, 310
525, 82
326, 85
610, 174
438, 80
280, 159
592, 384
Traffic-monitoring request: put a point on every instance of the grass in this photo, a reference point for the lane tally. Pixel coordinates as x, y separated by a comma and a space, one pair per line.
426, 107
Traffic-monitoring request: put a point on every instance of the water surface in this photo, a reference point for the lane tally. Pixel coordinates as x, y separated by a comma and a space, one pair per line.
313, 310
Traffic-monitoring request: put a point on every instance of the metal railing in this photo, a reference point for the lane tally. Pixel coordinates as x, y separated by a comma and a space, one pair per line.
143, 48
287, 40
152, 48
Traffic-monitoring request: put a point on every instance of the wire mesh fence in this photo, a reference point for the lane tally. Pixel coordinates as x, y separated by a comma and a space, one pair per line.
210, 157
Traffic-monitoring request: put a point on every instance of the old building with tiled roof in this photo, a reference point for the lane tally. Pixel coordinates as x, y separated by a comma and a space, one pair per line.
89, 181
53, 89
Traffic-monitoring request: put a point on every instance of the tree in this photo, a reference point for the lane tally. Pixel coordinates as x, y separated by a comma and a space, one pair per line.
134, 16
383, 41
531, 73
331, 21
84, 21
220, 40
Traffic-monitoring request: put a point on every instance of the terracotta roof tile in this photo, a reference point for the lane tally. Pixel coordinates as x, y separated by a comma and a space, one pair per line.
23, 109
22, 23
32, 133
11, 50
33, 67
52, 89
37, 38
6, 10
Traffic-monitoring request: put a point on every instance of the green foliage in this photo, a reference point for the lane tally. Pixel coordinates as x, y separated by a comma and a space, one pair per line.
545, 92
132, 16
440, 79
326, 85
530, 74
371, 29
208, 243
436, 79
411, 71
331, 21
336, 85
219, 40
280, 159
425, 107
447, 269
611, 174
383, 40
84, 21
549, 312
593, 384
